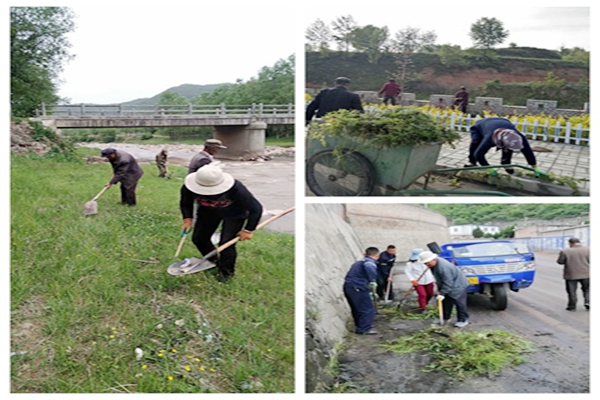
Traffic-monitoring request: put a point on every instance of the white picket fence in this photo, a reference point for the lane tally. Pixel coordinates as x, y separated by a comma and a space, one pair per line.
535, 130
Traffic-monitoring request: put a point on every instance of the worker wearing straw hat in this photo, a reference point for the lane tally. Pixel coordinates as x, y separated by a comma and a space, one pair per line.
220, 199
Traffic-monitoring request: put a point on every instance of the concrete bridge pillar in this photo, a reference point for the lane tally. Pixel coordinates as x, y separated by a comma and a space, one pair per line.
242, 141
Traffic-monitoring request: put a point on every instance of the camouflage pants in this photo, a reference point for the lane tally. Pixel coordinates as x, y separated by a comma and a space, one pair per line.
162, 169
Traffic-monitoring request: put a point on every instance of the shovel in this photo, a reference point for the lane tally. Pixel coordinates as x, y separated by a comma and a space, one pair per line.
386, 299
409, 291
91, 207
195, 264
440, 311
184, 233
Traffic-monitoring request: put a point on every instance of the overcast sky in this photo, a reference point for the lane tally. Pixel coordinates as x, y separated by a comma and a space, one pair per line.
125, 53
543, 27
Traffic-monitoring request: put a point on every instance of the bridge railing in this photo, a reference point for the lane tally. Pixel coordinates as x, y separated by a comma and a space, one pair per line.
113, 110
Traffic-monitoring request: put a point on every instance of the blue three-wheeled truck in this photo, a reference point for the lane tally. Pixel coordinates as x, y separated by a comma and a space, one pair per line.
491, 267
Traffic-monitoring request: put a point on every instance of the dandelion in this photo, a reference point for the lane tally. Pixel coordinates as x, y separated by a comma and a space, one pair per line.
202, 368
212, 370
188, 356
187, 368
197, 359
170, 377
173, 350
144, 366
160, 354
111, 337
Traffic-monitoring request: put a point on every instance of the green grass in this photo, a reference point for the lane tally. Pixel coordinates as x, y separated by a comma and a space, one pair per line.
86, 291
464, 354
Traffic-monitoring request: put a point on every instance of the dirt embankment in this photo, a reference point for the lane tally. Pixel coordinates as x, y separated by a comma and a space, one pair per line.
22, 142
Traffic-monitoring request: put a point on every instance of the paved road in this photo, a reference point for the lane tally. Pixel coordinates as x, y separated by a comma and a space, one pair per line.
560, 363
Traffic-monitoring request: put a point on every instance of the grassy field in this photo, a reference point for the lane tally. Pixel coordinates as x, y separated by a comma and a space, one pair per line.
86, 291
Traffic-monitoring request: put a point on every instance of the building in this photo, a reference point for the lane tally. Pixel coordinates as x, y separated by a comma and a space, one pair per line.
466, 231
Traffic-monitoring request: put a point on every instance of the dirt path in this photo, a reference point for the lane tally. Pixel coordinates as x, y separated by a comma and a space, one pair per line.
272, 182
560, 363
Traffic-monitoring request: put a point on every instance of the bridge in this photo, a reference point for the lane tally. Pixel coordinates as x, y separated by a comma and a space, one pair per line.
240, 127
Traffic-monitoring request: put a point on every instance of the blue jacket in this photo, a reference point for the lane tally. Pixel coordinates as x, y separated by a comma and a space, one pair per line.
361, 273
450, 279
385, 263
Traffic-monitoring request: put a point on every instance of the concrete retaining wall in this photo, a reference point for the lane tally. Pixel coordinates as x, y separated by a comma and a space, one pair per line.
406, 226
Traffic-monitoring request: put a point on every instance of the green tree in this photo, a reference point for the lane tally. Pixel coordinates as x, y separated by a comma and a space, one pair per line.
273, 85
477, 233
488, 32
371, 40
575, 54
405, 44
38, 49
318, 35
343, 27
452, 56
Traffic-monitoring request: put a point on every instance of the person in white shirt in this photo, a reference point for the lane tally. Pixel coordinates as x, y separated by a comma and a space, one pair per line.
421, 278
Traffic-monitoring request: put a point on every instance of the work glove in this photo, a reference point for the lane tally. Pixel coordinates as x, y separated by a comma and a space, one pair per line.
187, 226
415, 283
373, 296
373, 285
440, 297
537, 173
492, 172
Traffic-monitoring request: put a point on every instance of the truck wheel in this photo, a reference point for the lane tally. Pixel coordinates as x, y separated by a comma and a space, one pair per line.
499, 297
348, 174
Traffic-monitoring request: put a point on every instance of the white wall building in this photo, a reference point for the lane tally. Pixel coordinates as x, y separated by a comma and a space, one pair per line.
466, 231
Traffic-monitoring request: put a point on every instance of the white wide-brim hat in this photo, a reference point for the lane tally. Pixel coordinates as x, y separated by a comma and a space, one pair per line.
427, 256
209, 180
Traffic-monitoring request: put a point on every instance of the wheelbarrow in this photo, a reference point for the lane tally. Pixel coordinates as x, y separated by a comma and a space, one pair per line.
344, 167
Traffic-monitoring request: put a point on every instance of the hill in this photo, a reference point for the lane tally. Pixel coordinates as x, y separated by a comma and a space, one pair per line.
481, 213
186, 90
509, 68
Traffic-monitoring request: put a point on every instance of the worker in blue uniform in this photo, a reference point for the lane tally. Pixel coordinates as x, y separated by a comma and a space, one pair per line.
385, 264
360, 287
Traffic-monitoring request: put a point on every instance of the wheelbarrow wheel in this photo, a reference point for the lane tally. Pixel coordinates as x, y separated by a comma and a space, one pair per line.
347, 174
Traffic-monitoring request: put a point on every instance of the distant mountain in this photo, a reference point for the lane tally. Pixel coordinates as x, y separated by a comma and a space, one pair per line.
186, 90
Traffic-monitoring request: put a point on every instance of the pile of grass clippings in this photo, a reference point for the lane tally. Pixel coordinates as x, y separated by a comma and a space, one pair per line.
383, 128
465, 353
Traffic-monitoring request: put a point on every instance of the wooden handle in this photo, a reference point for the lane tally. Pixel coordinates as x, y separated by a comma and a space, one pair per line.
262, 224
99, 194
180, 244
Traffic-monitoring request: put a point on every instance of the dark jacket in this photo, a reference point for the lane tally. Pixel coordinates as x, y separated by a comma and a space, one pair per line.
482, 141
576, 260
449, 278
331, 100
361, 273
385, 263
125, 169
461, 97
237, 202
199, 160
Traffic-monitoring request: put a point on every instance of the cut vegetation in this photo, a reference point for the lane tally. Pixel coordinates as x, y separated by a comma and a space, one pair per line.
463, 354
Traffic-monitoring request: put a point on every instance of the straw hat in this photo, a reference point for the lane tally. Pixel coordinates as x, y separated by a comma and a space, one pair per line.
427, 256
209, 180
